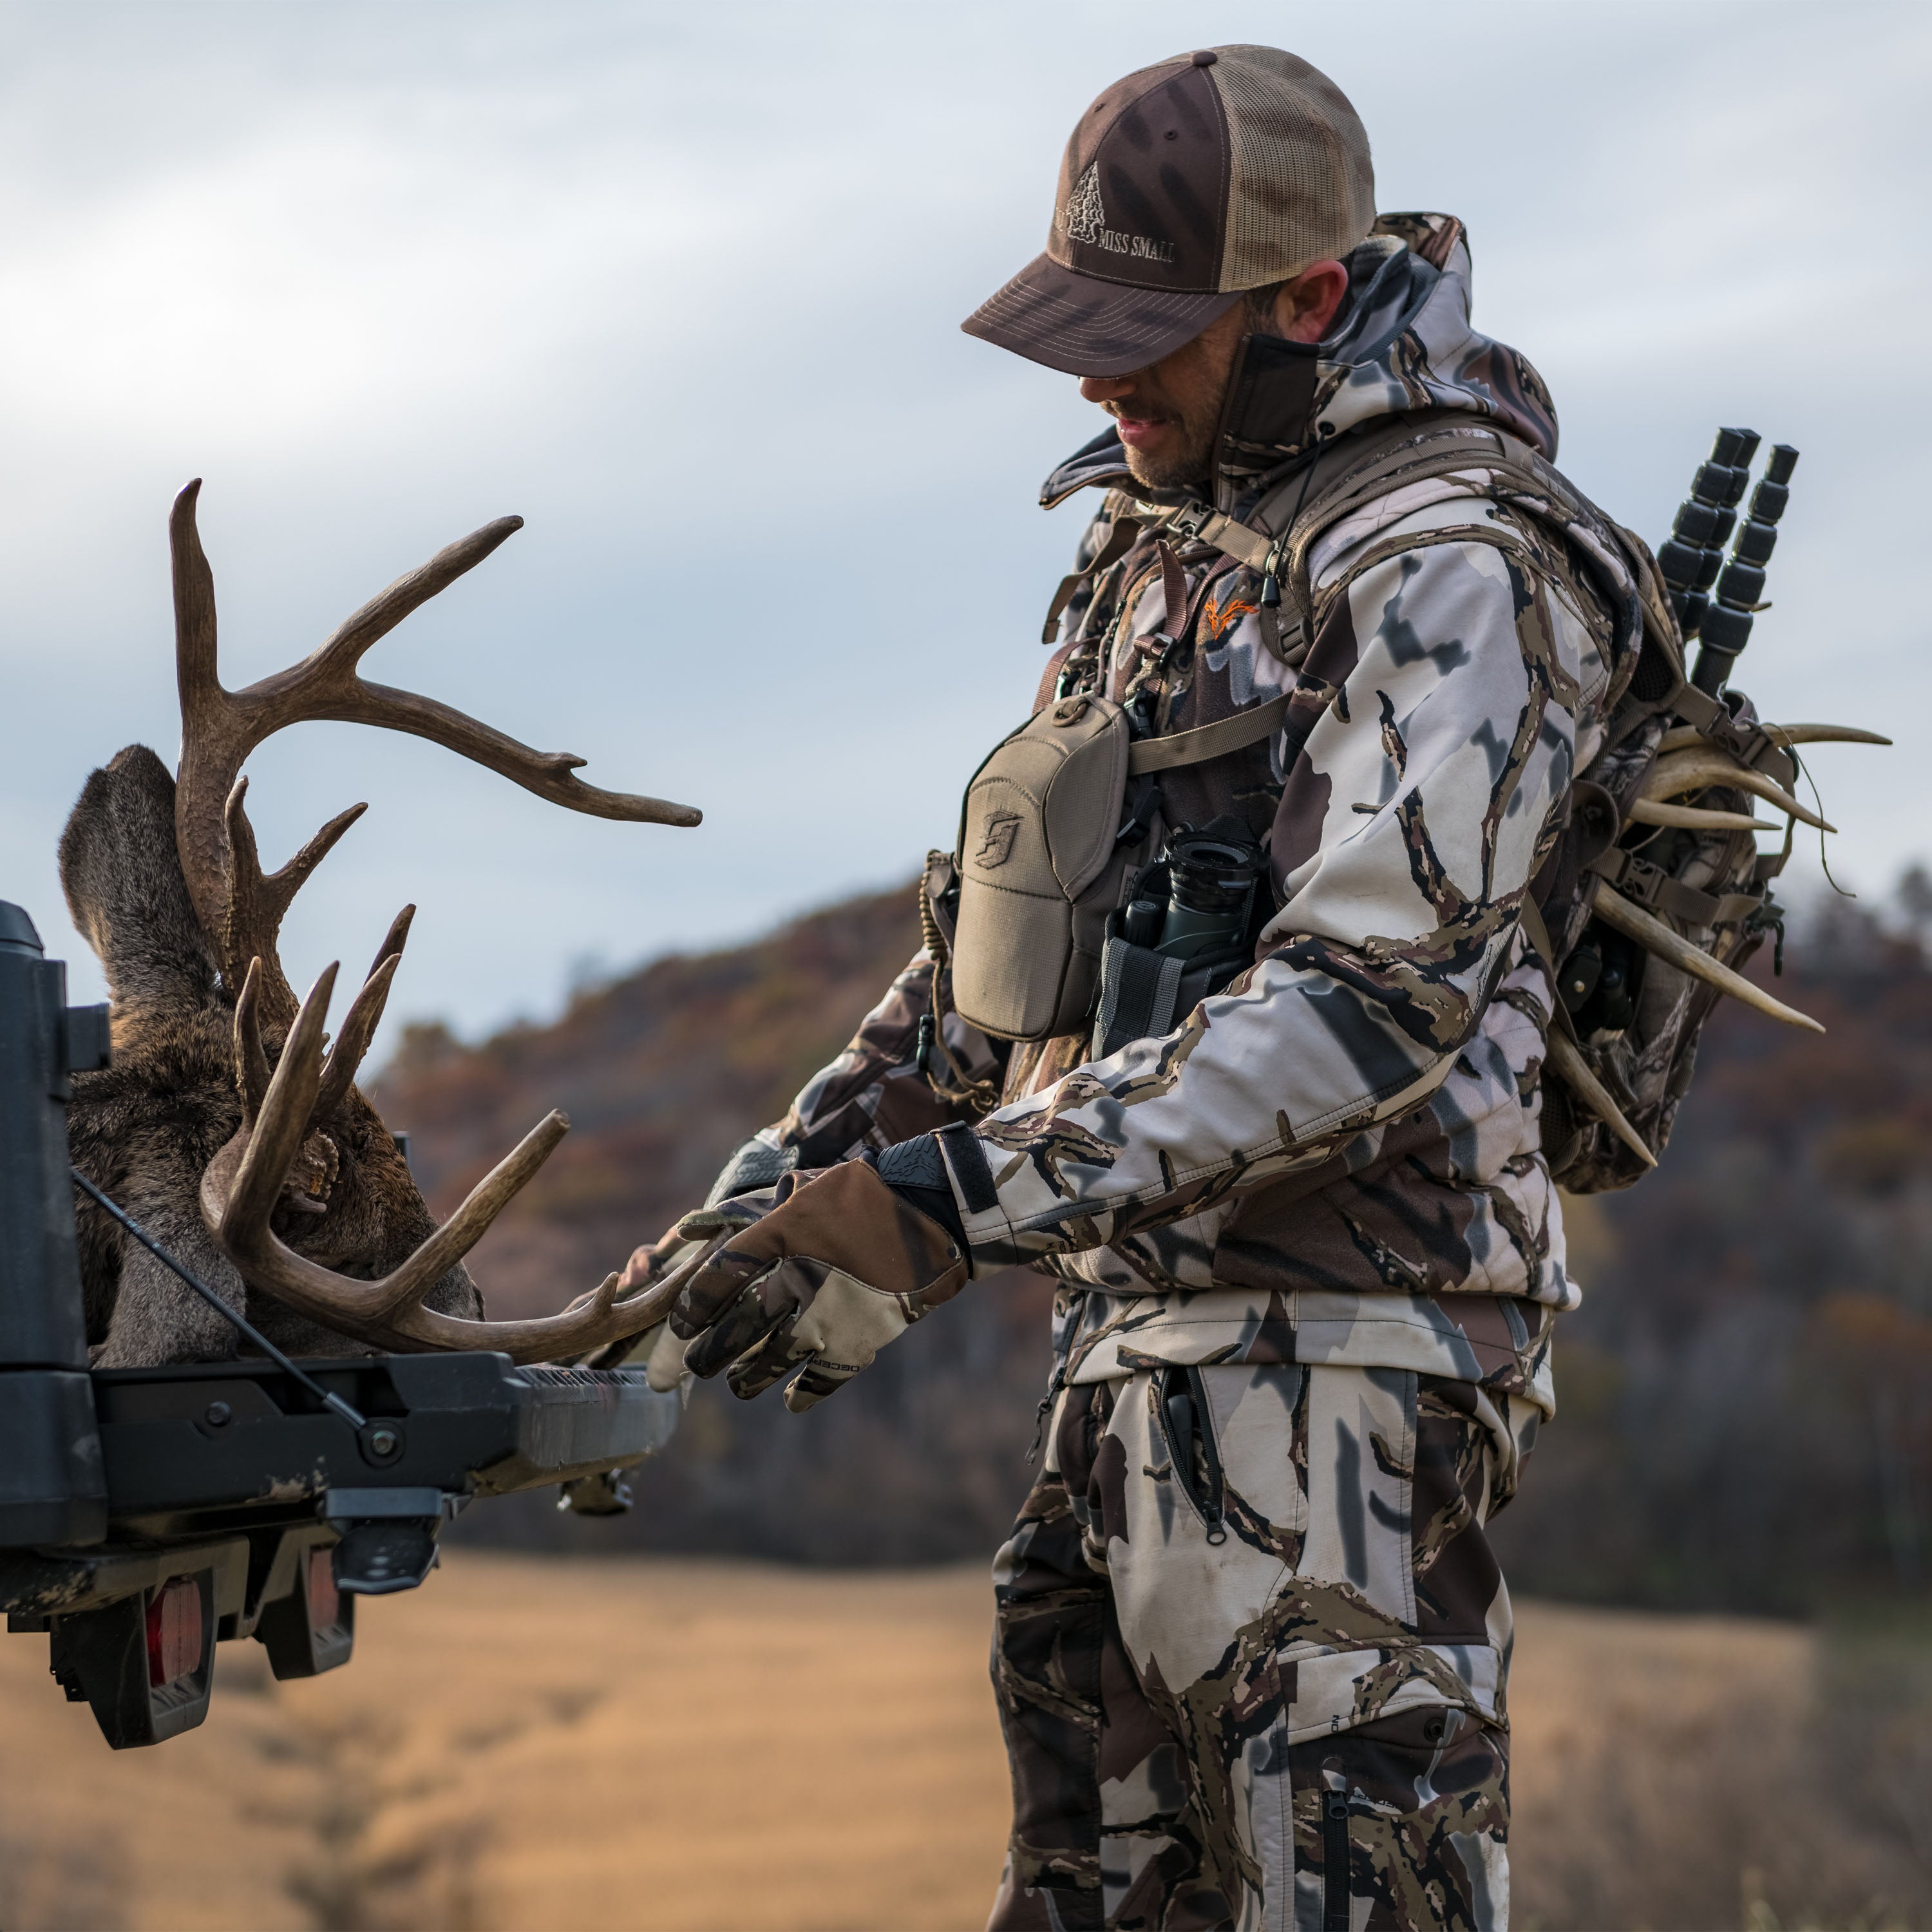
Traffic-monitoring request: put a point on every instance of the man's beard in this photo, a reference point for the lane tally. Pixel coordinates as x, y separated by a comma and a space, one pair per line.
1173, 470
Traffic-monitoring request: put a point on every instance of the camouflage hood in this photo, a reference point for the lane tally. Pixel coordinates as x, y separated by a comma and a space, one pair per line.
1403, 341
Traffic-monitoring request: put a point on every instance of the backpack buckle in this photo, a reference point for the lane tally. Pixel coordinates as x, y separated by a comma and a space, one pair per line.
1639, 881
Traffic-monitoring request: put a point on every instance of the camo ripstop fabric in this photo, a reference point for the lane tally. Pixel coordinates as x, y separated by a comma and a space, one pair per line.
1300, 1725
1339, 1158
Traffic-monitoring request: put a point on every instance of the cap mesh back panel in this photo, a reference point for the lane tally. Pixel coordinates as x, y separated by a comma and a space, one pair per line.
1301, 187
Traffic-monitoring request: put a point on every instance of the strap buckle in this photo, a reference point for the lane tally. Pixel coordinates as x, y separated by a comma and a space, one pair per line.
1637, 879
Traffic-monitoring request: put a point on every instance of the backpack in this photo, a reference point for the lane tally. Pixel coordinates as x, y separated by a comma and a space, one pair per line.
1646, 907
1653, 906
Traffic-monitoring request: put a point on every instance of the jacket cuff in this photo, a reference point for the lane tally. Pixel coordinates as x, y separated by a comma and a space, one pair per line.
916, 1171
986, 1228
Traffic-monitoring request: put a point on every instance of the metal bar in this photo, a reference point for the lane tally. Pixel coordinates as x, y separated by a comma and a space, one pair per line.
245, 1328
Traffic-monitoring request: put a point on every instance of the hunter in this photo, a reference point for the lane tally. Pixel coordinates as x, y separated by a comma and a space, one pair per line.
1238, 1036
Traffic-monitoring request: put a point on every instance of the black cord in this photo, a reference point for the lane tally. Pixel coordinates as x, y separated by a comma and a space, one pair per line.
245, 1328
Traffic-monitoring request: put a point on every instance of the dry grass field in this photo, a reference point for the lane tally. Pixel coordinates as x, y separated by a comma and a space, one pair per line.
529, 1744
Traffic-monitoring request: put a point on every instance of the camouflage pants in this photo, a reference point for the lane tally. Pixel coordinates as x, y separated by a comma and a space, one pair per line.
1249, 1654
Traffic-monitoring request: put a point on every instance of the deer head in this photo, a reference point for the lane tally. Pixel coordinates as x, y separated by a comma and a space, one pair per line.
224, 1122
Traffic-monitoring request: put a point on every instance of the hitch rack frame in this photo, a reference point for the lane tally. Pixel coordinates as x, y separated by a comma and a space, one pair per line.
220, 1475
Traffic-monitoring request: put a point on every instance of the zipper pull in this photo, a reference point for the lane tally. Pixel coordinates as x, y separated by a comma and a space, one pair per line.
1045, 1408
1214, 1503
1269, 615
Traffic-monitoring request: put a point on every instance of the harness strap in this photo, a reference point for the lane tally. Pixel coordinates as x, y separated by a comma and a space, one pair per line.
1419, 446
1120, 540
1529, 916
1750, 744
1241, 542
1651, 886
1208, 741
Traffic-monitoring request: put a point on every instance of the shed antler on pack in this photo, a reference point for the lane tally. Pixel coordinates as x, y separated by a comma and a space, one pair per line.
260, 1170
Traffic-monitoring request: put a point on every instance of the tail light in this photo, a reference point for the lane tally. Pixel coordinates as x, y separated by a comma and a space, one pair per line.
174, 1631
145, 1662
312, 1627
325, 1603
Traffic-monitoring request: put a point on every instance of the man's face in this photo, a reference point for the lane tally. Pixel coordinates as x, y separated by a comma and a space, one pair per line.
1168, 412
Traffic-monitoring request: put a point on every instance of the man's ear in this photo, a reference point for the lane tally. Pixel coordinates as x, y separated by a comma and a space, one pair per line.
1305, 308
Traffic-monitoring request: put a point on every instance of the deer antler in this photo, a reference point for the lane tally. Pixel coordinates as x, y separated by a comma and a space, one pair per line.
1700, 770
242, 1185
239, 909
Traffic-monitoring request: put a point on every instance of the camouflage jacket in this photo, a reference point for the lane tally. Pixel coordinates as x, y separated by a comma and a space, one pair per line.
1336, 1159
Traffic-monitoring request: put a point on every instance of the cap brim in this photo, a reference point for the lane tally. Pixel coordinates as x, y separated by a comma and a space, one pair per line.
1087, 327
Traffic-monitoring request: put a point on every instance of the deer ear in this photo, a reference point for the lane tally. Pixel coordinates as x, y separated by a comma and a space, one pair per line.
125, 887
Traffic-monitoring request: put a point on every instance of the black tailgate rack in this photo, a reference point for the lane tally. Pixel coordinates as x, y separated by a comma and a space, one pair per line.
147, 1514
226, 1481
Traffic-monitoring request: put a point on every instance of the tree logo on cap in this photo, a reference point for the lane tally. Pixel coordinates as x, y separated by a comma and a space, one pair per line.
1084, 219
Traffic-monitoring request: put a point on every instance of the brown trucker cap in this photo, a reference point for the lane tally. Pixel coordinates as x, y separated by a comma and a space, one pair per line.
1184, 185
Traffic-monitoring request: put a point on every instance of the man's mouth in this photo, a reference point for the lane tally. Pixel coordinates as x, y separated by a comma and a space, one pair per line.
1137, 432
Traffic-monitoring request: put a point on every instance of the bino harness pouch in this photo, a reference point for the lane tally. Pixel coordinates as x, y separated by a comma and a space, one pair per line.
1053, 824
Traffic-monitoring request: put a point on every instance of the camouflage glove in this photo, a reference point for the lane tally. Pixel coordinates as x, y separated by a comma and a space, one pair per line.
661, 1351
839, 1266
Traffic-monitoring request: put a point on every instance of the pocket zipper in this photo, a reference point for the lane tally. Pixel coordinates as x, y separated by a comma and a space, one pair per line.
1188, 1422
1336, 1876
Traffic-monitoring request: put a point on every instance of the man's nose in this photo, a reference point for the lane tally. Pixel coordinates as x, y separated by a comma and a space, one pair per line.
1106, 389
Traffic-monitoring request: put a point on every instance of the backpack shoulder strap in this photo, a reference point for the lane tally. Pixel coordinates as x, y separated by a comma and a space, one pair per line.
1412, 451
1277, 536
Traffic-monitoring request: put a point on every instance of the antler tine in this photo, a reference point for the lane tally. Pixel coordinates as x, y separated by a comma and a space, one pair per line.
1671, 947
254, 904
359, 1028
364, 1016
591, 1322
251, 1063
220, 728
388, 608
395, 939
282, 1123
1655, 811
467, 1225
196, 673
1699, 771
389, 1312
212, 751
548, 774
1565, 1060
1686, 737
1826, 734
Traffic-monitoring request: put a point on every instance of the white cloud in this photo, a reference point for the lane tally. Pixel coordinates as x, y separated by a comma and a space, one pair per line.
682, 287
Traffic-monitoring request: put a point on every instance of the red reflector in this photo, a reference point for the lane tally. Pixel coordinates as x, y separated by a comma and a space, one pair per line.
174, 1630
325, 1606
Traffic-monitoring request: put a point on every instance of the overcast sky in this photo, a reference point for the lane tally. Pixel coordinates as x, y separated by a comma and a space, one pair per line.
681, 286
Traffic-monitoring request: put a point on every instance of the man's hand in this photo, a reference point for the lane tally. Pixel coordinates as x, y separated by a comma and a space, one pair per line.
653, 1262
656, 1261
839, 1266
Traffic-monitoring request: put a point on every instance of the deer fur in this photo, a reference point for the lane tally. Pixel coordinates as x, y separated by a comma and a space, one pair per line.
145, 1130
